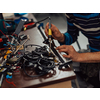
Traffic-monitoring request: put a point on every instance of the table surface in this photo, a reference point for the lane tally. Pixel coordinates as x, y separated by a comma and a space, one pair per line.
21, 80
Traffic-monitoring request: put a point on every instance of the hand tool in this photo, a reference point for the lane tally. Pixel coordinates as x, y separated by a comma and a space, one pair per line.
28, 26
50, 34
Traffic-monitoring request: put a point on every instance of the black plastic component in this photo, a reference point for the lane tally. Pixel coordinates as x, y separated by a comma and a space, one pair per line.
20, 26
22, 37
64, 65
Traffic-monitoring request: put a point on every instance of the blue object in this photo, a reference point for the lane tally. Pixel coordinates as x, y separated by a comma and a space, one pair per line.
41, 25
11, 44
19, 14
7, 24
8, 76
93, 49
71, 24
86, 16
4, 44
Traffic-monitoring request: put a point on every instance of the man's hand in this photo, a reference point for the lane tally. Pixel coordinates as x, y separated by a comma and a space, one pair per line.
70, 52
56, 34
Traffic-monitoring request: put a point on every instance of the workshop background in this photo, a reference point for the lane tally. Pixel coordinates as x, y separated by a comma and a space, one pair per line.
60, 21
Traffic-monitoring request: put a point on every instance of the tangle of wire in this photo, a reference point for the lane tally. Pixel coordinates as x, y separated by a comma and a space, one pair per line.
39, 60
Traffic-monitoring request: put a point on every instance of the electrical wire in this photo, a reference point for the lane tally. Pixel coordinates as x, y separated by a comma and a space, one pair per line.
42, 20
14, 34
33, 76
41, 64
10, 83
5, 35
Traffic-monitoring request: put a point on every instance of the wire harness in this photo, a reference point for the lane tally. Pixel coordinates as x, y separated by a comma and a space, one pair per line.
39, 59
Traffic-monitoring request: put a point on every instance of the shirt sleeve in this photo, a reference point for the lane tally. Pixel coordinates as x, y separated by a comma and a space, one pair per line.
72, 31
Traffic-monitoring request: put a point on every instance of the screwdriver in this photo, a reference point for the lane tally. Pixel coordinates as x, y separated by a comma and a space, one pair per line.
50, 34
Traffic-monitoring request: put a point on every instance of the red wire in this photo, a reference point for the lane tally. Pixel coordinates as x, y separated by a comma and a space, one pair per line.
2, 48
14, 34
5, 35
10, 82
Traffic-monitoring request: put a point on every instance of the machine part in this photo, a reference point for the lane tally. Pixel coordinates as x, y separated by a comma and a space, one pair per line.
65, 65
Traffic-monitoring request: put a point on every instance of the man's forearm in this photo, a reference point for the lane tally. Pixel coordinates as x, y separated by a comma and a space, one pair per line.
91, 57
62, 38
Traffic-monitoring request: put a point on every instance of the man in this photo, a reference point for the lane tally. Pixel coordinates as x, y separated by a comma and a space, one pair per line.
89, 25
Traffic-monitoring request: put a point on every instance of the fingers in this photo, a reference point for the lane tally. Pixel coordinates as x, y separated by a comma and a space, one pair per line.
46, 29
66, 56
63, 47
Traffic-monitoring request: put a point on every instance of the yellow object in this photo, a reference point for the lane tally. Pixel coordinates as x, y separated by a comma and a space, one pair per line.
9, 51
9, 73
50, 33
21, 48
1, 70
25, 29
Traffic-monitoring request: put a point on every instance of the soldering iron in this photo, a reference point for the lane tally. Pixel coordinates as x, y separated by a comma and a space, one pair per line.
50, 33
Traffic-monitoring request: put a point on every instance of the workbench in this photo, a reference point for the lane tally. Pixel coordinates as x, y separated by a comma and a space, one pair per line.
61, 79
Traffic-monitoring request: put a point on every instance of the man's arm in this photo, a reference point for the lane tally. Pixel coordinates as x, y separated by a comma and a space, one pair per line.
91, 57
72, 31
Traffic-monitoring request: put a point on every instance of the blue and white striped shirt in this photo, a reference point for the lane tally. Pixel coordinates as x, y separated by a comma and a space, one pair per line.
88, 24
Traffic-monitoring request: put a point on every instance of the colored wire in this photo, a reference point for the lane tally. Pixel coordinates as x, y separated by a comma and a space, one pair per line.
14, 34
10, 83
5, 35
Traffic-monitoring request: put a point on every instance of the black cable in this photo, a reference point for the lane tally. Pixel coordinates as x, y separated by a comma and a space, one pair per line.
39, 60
42, 20
33, 76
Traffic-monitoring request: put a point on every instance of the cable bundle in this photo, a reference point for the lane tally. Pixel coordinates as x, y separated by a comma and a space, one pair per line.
39, 60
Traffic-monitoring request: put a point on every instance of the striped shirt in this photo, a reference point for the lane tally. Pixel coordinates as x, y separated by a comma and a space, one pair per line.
88, 24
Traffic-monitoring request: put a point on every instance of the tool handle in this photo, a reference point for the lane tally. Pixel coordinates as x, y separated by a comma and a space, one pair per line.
50, 33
